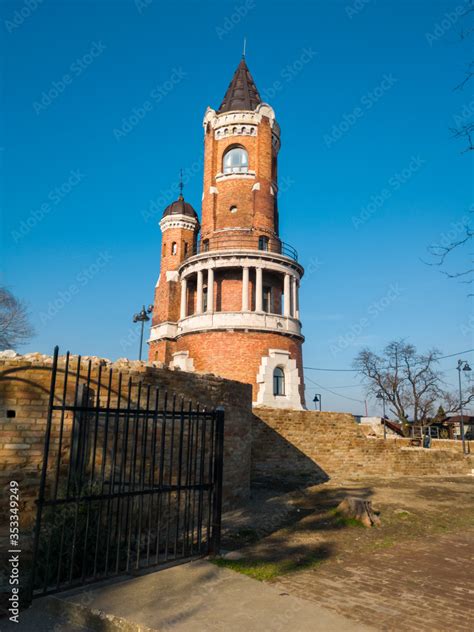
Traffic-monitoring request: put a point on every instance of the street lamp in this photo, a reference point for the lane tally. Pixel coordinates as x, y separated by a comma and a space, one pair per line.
463, 365
316, 399
142, 317
381, 396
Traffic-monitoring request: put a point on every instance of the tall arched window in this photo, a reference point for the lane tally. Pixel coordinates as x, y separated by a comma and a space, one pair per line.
174, 248
236, 160
278, 381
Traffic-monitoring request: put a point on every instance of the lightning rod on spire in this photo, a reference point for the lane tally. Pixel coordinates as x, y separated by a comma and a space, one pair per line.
245, 46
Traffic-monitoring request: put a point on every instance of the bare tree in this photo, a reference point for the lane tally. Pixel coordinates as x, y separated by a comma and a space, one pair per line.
410, 382
463, 131
15, 326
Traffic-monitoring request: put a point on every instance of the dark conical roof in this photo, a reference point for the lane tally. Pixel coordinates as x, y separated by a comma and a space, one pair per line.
242, 93
180, 207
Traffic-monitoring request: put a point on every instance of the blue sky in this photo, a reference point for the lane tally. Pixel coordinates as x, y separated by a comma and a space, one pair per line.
102, 104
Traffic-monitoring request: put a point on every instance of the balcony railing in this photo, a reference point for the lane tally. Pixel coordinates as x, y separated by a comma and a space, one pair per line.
245, 242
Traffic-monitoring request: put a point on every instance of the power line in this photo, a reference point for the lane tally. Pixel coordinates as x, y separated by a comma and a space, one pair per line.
312, 368
360, 401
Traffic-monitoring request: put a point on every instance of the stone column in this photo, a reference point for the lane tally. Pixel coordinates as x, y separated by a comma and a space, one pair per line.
293, 296
184, 296
245, 289
210, 290
199, 293
297, 298
286, 295
259, 290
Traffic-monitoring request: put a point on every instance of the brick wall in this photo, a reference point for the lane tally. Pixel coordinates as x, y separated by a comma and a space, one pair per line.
326, 445
24, 392
238, 354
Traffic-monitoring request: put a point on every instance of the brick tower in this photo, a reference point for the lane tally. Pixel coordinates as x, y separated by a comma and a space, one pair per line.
228, 303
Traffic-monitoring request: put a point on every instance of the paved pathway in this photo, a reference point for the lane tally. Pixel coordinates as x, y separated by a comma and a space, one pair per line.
199, 597
424, 586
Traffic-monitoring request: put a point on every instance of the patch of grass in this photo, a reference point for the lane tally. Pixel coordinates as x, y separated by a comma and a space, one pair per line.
265, 570
341, 521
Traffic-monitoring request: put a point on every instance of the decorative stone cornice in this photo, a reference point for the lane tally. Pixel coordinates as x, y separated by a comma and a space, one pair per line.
241, 258
179, 221
242, 122
228, 321
247, 175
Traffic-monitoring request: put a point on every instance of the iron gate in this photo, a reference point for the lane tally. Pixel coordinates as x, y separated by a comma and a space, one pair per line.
131, 477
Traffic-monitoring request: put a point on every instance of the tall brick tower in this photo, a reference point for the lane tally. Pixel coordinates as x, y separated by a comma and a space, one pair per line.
228, 303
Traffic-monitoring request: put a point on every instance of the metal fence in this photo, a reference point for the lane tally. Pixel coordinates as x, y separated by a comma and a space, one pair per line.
131, 478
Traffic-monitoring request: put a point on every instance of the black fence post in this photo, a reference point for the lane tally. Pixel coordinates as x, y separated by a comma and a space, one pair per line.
44, 469
215, 543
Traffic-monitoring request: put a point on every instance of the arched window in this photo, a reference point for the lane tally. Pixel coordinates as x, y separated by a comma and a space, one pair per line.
236, 160
278, 381
174, 248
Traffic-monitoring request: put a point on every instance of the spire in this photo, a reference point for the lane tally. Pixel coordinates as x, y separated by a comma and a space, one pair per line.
181, 185
242, 93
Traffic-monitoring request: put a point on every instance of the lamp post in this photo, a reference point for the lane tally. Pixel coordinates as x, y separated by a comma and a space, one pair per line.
142, 317
316, 399
463, 365
381, 396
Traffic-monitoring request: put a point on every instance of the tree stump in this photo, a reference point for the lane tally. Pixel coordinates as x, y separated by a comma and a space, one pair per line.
359, 509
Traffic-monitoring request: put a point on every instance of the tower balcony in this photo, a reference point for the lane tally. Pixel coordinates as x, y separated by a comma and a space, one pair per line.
235, 242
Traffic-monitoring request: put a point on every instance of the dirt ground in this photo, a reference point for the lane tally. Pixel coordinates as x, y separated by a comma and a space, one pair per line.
415, 572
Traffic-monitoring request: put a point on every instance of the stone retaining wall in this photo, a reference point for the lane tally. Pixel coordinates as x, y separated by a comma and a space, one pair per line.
326, 445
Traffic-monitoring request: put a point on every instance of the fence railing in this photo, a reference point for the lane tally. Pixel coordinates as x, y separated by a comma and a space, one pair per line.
131, 478
244, 242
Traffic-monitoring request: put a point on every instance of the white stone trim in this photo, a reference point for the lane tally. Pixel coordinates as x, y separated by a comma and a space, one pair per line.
242, 320
178, 221
265, 397
235, 130
181, 360
256, 186
240, 258
172, 275
247, 175
167, 329
227, 121
213, 190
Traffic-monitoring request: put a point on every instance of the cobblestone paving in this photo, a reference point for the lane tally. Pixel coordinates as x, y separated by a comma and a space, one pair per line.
425, 585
